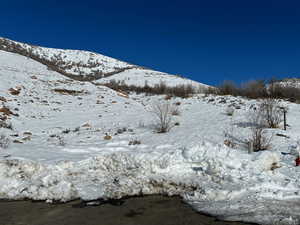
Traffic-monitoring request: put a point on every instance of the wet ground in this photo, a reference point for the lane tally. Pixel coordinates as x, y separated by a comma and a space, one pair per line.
151, 210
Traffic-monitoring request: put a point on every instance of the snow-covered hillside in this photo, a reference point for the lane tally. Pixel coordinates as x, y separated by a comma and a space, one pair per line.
290, 82
72, 139
89, 66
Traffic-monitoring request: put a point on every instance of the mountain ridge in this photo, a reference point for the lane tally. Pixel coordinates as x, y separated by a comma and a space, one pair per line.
85, 65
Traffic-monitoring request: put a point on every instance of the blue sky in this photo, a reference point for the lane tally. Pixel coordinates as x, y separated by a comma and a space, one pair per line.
209, 41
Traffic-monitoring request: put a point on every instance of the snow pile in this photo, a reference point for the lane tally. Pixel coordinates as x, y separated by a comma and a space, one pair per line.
212, 178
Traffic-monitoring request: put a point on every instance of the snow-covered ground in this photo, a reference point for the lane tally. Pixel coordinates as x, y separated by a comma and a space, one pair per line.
80, 145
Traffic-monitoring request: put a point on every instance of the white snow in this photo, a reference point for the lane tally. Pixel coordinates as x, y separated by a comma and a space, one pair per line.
140, 76
66, 156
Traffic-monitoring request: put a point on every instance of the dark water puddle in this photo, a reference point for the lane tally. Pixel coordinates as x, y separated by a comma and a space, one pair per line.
150, 210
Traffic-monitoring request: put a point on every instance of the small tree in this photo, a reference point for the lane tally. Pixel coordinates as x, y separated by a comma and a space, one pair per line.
163, 116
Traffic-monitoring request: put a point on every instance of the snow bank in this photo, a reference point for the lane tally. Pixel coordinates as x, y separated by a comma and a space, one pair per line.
212, 178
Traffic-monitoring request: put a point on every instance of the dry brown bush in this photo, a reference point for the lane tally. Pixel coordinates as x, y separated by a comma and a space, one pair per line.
228, 88
258, 89
163, 116
258, 139
182, 91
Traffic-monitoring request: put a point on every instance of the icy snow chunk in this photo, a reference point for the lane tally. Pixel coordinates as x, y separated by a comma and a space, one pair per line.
266, 160
294, 149
213, 155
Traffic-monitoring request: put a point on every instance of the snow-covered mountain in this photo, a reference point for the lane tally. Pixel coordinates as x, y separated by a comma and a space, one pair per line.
89, 66
62, 137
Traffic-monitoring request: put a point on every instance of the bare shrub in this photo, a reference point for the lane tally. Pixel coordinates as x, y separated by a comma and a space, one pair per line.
271, 111
254, 89
4, 141
175, 111
290, 93
258, 140
182, 91
160, 88
163, 115
228, 88
230, 138
211, 90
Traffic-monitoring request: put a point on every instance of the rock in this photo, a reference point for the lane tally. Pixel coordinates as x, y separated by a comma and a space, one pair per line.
27, 138
107, 137
13, 91
87, 125
6, 111
134, 142
3, 99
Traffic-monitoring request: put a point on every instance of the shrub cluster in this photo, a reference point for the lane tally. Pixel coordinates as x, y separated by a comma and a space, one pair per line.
258, 89
267, 115
183, 91
289, 93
